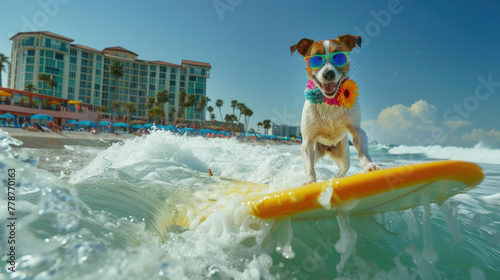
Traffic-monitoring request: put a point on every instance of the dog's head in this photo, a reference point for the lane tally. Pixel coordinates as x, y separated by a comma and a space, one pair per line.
327, 71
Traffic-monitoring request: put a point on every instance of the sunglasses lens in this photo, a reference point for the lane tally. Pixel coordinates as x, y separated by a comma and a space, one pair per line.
315, 62
339, 59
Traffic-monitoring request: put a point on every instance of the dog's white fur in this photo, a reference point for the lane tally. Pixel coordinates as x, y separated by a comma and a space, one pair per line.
327, 126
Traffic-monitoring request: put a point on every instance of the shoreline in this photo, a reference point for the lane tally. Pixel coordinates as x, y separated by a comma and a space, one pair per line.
32, 139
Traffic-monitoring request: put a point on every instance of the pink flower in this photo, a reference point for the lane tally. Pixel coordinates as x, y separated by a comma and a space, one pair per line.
331, 101
310, 84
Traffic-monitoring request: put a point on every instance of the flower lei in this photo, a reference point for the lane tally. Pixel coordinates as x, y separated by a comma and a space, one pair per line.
346, 96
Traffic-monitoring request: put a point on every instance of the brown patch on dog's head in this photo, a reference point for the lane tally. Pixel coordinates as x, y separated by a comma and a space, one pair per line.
349, 41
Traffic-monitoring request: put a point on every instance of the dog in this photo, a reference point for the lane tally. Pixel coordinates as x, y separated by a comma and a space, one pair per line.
325, 125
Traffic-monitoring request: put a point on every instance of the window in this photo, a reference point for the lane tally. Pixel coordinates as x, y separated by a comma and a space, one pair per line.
30, 60
201, 79
73, 52
99, 58
59, 56
49, 54
163, 75
192, 79
152, 74
182, 84
29, 76
172, 83
151, 87
29, 68
172, 76
98, 72
72, 59
163, 69
183, 78
31, 52
72, 75
172, 70
171, 89
152, 67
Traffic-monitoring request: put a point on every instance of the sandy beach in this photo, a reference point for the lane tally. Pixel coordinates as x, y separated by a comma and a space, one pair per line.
33, 139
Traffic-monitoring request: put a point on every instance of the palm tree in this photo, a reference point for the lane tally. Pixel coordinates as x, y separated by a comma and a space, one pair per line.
210, 109
267, 126
115, 105
219, 104
162, 97
130, 106
227, 118
4, 61
150, 102
52, 84
156, 112
101, 109
116, 69
201, 107
259, 125
212, 117
248, 113
241, 107
233, 104
30, 88
182, 102
45, 79
233, 119
191, 99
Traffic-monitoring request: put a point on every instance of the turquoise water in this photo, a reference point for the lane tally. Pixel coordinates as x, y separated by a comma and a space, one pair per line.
90, 212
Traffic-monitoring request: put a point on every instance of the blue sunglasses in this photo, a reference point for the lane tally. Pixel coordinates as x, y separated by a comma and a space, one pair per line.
338, 59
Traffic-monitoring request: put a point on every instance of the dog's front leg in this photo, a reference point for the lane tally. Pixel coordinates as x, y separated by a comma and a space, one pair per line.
360, 141
308, 158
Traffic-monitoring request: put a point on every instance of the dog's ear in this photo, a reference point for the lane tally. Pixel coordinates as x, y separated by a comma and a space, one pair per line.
301, 47
350, 41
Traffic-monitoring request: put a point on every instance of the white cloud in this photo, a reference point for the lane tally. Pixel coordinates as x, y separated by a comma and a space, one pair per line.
399, 124
454, 125
418, 125
479, 134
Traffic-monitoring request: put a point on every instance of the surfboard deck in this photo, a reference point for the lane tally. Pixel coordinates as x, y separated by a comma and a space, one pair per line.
369, 193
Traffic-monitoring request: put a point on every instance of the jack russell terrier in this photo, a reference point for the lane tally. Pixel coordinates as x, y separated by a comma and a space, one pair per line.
331, 109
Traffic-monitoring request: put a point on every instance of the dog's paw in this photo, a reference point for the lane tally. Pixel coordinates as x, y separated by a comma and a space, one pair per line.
371, 167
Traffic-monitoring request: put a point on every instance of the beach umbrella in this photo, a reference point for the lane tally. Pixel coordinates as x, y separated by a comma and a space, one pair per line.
104, 123
87, 123
53, 102
120, 124
72, 122
4, 93
188, 129
137, 126
42, 117
170, 127
7, 116
148, 125
205, 131
74, 102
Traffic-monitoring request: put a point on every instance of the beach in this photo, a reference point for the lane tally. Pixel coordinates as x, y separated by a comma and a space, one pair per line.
32, 139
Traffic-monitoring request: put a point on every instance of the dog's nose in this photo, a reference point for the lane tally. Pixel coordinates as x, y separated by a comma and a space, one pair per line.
329, 75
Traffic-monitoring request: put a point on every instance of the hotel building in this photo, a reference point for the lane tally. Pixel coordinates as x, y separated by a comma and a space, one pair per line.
82, 74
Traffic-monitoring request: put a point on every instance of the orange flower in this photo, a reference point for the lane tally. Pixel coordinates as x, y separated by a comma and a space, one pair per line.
348, 94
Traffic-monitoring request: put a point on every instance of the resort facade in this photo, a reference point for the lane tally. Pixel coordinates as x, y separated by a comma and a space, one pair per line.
83, 74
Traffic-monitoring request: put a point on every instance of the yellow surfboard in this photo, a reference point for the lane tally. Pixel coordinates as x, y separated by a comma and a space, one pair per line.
359, 194
370, 193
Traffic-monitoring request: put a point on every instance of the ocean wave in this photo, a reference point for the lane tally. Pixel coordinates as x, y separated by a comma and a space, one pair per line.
480, 153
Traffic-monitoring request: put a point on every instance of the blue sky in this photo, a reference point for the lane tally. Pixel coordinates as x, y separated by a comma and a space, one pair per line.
427, 71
